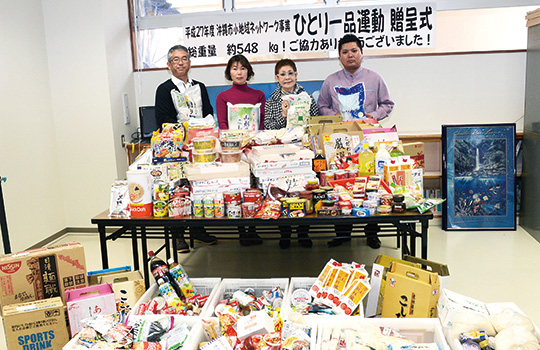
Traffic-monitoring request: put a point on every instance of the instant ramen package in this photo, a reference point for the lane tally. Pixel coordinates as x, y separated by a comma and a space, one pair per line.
351, 102
167, 145
296, 108
188, 104
244, 116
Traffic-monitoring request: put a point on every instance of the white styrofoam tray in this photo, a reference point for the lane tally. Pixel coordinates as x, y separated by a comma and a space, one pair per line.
231, 285
303, 283
204, 286
419, 330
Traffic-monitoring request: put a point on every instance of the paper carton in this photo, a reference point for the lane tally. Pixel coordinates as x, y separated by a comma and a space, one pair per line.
211, 171
338, 140
85, 302
42, 273
39, 324
128, 287
410, 292
257, 322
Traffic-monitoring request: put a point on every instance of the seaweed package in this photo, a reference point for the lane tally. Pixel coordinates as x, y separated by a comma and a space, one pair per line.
296, 109
351, 101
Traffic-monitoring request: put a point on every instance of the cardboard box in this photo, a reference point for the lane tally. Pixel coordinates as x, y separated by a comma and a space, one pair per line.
85, 302
42, 273
212, 171
432, 266
338, 140
128, 287
39, 324
325, 119
410, 292
416, 151
378, 282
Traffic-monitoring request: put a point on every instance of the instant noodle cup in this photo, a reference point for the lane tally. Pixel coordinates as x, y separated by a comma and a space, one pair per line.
231, 156
204, 157
205, 144
231, 143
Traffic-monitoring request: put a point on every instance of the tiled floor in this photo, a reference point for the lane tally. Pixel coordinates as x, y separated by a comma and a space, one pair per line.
487, 265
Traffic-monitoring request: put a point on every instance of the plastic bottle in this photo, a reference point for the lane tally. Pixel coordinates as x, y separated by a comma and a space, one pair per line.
181, 279
160, 269
395, 151
381, 158
319, 162
168, 292
366, 161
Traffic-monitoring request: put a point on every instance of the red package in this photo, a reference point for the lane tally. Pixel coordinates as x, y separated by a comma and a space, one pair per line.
269, 210
349, 161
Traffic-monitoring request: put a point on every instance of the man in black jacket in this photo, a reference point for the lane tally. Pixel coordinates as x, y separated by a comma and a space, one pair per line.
179, 63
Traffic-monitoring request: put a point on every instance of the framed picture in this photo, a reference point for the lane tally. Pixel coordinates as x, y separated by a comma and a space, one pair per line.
479, 177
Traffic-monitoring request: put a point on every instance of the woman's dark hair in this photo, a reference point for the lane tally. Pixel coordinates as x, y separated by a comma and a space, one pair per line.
282, 63
350, 38
243, 61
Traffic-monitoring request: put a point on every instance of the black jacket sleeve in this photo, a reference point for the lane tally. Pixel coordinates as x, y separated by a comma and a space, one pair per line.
165, 111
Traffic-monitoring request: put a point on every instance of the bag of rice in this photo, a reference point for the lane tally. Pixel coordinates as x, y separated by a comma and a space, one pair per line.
188, 104
296, 108
244, 116
351, 102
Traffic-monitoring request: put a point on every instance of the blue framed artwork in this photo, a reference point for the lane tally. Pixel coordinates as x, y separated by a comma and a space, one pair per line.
479, 177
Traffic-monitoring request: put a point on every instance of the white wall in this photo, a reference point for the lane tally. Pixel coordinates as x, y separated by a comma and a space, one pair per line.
28, 148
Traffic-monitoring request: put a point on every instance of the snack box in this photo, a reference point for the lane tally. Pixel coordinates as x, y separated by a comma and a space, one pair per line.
42, 273
191, 343
492, 308
419, 330
304, 283
204, 286
230, 285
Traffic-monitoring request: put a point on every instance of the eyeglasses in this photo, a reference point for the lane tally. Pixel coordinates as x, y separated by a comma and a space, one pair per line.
175, 60
290, 74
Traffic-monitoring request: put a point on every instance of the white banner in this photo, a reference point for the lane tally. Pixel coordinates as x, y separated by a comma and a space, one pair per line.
315, 30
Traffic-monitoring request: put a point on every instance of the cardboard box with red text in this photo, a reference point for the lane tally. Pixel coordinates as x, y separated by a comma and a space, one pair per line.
39, 324
42, 273
416, 151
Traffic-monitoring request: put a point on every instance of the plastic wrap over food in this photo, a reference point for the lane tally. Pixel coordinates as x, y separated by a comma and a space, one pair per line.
119, 199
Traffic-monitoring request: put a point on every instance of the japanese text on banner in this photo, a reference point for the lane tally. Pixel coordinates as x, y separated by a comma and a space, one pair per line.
316, 30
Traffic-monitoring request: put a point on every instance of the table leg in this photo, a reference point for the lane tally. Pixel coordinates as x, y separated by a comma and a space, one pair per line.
167, 232
413, 238
404, 246
144, 247
103, 245
135, 249
425, 226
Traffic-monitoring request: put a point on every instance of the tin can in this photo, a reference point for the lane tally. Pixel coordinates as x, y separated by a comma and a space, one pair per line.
296, 207
386, 199
198, 209
284, 206
248, 209
160, 209
208, 203
232, 197
234, 211
328, 176
352, 173
318, 195
252, 196
384, 209
219, 207
308, 196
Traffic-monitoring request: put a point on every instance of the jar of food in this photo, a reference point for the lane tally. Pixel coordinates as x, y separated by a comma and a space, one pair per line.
312, 185
398, 205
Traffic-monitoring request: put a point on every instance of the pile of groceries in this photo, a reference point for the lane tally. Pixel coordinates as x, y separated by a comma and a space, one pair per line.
294, 172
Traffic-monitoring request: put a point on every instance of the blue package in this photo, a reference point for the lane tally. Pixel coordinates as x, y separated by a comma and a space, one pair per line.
351, 101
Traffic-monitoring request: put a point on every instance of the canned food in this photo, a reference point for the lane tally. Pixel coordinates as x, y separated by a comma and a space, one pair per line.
386, 199
284, 206
160, 209
209, 208
234, 211
333, 195
340, 175
198, 209
384, 209
296, 207
248, 210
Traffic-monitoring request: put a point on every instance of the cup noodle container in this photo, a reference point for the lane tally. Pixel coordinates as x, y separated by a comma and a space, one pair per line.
140, 192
